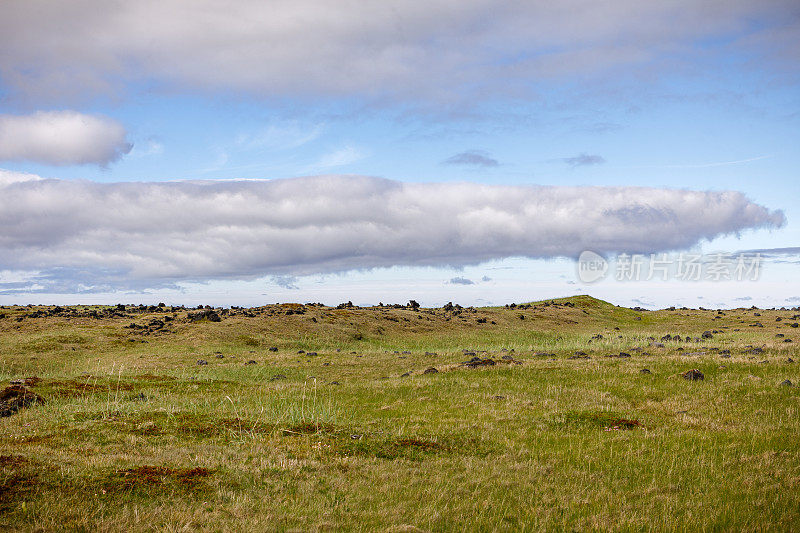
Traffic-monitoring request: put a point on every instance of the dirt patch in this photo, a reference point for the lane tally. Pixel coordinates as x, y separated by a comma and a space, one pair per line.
16, 397
27, 382
310, 428
72, 388
17, 480
149, 478
600, 420
153, 377
7, 461
424, 445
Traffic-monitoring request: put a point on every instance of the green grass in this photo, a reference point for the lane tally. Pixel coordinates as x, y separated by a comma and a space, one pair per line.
135, 435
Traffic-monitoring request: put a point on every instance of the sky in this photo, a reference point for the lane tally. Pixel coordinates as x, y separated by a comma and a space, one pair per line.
312, 151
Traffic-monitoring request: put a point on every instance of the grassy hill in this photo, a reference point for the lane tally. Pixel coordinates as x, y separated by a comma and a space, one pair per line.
307, 417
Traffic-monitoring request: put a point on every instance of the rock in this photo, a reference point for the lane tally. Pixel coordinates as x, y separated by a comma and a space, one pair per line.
277, 377
477, 361
693, 375
16, 397
251, 362
219, 356
405, 375
273, 349
202, 362
707, 335
205, 314
645, 371
786, 383
431, 370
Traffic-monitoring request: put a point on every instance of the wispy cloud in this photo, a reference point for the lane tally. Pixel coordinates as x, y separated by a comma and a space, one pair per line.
460, 281
474, 158
582, 160
346, 155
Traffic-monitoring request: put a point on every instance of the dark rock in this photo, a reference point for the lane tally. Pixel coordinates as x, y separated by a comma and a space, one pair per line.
205, 314
405, 375
431, 370
202, 362
693, 375
786, 383
273, 349
477, 361
251, 362
645, 371
707, 335
16, 397
277, 377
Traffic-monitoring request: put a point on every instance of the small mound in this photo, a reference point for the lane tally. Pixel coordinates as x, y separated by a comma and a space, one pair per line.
16, 397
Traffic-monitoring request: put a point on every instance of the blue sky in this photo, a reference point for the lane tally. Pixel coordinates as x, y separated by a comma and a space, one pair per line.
473, 135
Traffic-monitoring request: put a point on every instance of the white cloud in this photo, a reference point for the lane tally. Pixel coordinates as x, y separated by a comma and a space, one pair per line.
8, 177
114, 234
401, 50
62, 138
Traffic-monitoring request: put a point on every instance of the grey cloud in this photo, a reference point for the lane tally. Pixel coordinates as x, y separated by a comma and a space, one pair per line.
172, 231
743, 299
476, 158
582, 160
793, 299
461, 281
62, 138
436, 50
486, 278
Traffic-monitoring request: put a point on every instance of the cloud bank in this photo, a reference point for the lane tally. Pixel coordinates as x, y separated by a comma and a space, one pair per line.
62, 138
397, 50
166, 232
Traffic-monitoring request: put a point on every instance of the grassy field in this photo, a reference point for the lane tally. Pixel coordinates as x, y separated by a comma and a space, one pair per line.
292, 417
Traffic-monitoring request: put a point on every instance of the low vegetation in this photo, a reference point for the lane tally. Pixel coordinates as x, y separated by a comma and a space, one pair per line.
569, 414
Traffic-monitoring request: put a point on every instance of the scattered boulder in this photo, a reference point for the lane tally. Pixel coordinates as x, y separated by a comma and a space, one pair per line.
251, 362
693, 375
277, 377
205, 314
786, 383
431, 370
202, 362
16, 397
475, 362
273, 349
645, 371
707, 335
